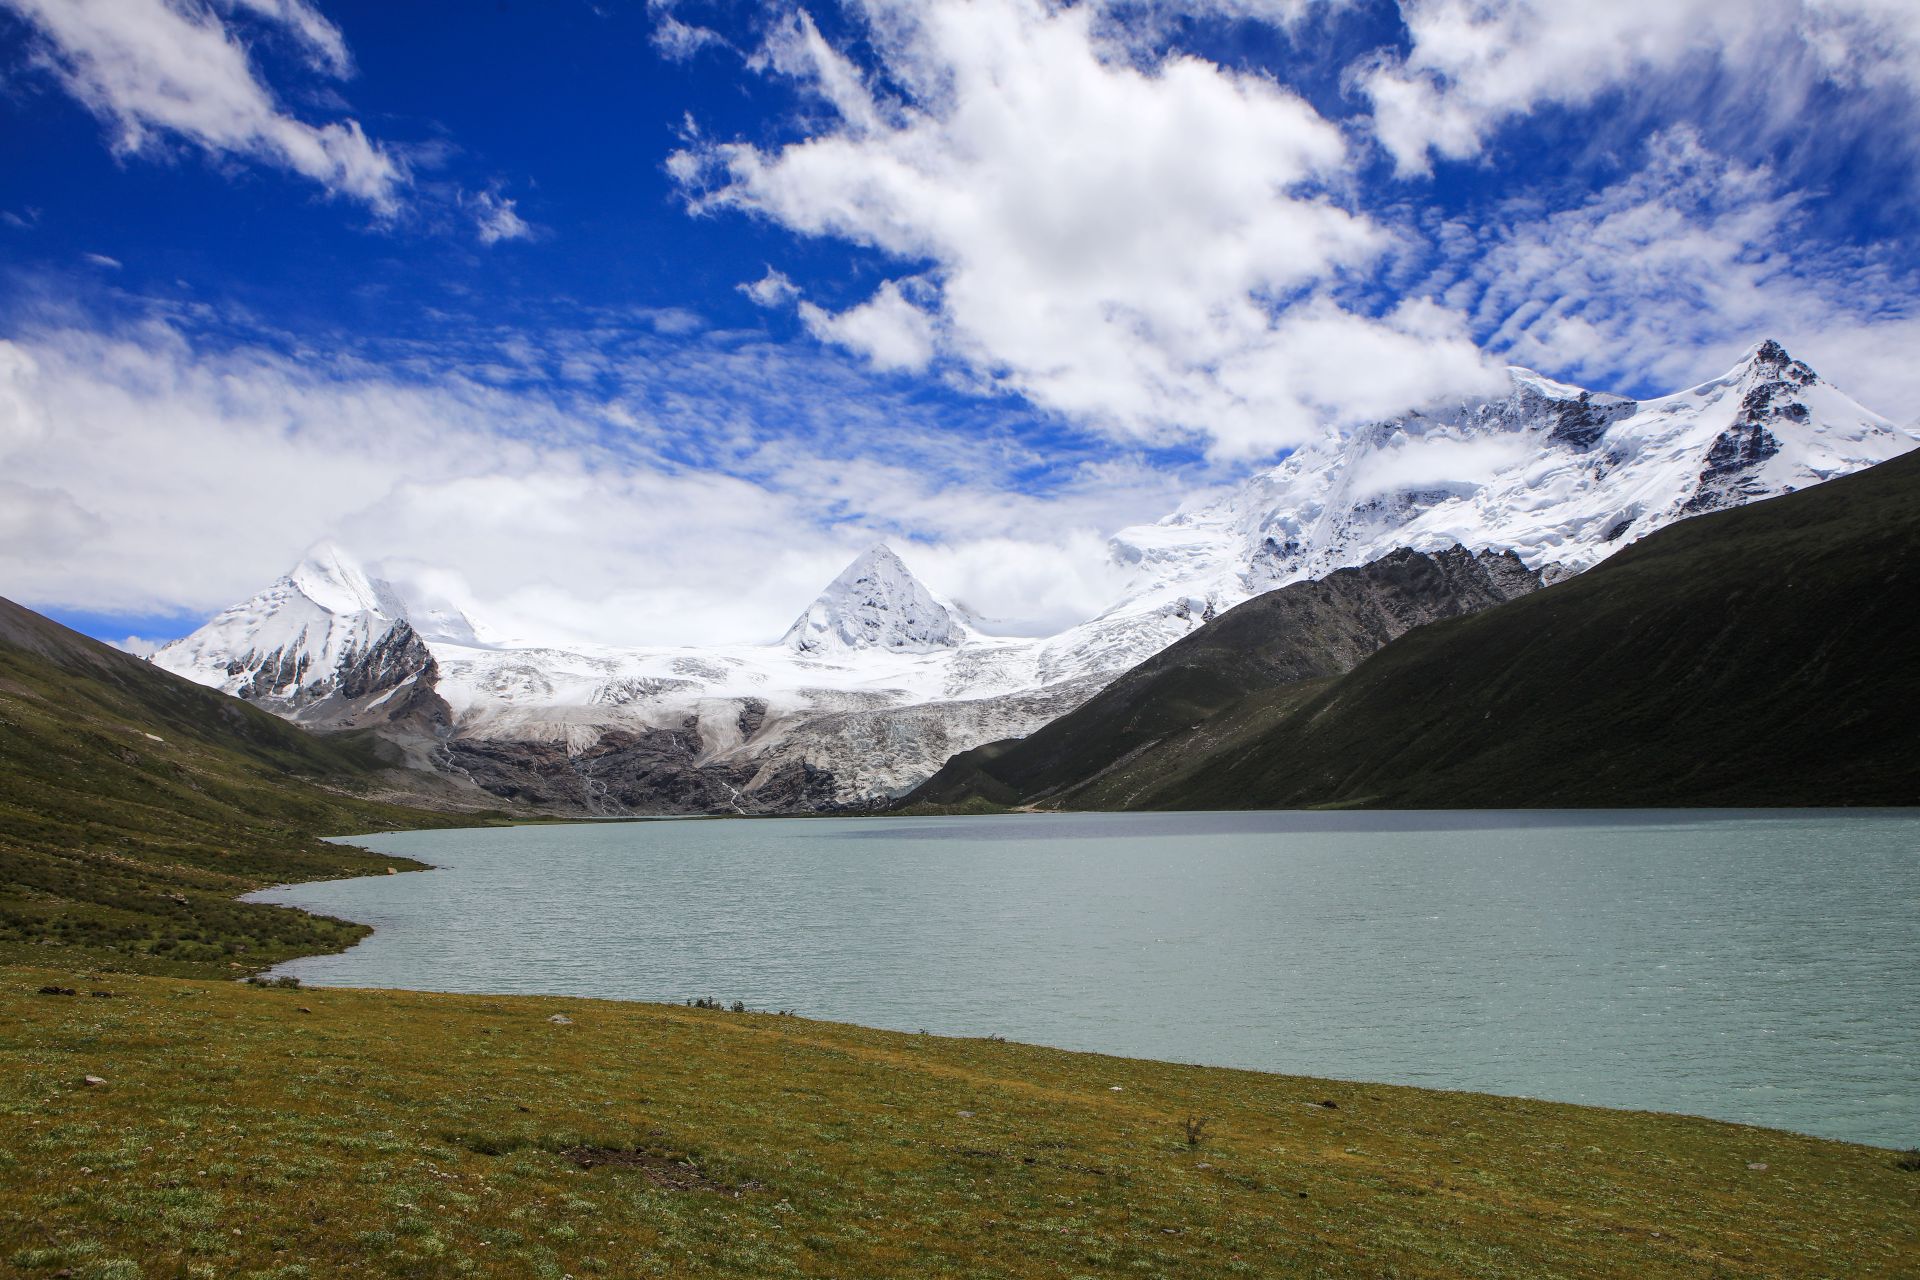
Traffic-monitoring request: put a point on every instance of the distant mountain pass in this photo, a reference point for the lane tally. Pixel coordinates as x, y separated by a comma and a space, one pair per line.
1122, 742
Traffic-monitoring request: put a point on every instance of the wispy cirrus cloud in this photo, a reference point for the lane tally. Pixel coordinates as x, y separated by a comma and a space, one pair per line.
594, 482
1663, 277
1753, 69
155, 70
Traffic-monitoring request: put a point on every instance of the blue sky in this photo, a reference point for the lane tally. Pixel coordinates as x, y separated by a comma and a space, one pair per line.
636, 320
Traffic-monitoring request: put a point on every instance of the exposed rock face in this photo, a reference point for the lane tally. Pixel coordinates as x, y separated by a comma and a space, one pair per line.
392, 660
1732, 473
624, 772
647, 772
1581, 422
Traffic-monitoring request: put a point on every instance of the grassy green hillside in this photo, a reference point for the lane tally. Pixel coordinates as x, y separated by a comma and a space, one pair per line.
237, 1131
134, 805
1758, 656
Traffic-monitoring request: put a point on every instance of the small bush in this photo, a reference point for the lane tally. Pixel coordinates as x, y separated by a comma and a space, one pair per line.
1908, 1161
1196, 1128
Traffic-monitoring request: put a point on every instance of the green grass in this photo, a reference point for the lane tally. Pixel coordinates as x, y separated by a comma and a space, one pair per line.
135, 805
253, 1132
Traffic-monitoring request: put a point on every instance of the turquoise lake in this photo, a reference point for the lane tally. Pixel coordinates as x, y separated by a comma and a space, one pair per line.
1755, 967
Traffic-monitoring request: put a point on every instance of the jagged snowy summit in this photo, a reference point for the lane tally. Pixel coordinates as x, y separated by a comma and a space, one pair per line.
288, 643
1562, 476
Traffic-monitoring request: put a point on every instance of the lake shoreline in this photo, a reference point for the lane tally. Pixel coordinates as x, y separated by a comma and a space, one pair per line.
1364, 1061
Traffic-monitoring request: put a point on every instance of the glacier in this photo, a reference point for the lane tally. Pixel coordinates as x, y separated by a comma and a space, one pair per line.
880, 680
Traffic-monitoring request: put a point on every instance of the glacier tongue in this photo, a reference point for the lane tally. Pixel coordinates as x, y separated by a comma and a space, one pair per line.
879, 680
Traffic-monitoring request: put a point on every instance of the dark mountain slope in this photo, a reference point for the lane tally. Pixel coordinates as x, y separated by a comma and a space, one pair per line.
134, 805
1304, 631
1759, 656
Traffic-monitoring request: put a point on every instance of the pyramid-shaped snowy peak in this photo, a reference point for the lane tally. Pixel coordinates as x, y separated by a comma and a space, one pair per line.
876, 603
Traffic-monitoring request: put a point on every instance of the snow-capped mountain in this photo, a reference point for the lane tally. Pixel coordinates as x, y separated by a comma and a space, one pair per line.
876, 603
880, 681
326, 642
1562, 476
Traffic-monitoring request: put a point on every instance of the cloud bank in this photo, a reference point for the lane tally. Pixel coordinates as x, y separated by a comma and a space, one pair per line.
607, 487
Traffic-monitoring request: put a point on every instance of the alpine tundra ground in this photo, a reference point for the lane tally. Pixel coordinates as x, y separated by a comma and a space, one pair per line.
231, 1130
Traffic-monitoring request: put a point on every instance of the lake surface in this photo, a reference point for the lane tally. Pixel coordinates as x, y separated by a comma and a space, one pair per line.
1754, 967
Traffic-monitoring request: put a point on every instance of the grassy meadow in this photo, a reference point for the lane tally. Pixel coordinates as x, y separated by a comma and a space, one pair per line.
245, 1131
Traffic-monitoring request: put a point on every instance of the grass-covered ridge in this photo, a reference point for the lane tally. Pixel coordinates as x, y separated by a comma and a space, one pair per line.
1758, 656
135, 805
242, 1131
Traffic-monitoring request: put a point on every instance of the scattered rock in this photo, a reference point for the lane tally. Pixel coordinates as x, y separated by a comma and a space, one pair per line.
57, 991
1114, 1088
101, 995
964, 1115
1328, 1103
1757, 1166
561, 1020
92, 1082
392, 872
304, 1009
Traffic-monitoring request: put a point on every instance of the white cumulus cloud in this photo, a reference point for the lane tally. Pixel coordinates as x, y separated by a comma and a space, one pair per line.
496, 219
1154, 250
890, 331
